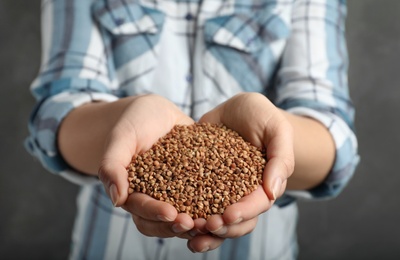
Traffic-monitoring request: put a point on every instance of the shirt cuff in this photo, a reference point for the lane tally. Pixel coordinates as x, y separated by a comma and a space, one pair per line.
43, 127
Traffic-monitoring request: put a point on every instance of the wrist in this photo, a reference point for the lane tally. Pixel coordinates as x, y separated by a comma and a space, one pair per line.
82, 134
314, 152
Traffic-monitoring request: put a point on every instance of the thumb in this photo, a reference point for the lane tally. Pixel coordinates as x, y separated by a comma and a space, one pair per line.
280, 159
275, 178
114, 177
112, 170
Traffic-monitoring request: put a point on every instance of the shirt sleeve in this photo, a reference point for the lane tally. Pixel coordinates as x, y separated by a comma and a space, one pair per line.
74, 70
313, 83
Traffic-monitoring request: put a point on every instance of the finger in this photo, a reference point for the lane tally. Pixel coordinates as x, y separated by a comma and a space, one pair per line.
179, 227
236, 230
215, 223
199, 227
149, 208
246, 208
185, 235
204, 243
183, 223
213, 116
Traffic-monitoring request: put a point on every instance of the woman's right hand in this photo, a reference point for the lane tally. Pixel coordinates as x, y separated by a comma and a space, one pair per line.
101, 138
143, 121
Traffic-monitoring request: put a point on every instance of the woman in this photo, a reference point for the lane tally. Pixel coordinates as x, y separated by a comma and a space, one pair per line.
117, 75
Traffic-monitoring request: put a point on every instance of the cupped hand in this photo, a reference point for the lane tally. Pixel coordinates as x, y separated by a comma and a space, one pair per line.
261, 123
141, 122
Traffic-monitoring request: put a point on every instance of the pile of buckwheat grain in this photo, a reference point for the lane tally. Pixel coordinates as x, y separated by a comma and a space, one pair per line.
200, 169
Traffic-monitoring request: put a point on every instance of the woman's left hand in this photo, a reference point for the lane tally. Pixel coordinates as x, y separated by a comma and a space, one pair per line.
261, 123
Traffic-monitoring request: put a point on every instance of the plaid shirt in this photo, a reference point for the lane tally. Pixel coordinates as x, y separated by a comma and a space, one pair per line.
197, 54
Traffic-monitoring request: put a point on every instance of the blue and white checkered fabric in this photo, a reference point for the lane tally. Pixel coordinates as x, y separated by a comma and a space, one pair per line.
196, 53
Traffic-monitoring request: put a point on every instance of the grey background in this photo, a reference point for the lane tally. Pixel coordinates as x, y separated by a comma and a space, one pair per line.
37, 209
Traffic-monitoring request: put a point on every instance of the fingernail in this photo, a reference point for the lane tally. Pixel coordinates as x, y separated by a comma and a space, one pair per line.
114, 194
178, 228
164, 218
190, 248
205, 249
276, 188
193, 232
220, 231
237, 221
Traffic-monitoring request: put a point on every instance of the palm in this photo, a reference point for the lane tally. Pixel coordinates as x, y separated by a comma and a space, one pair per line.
143, 121
258, 121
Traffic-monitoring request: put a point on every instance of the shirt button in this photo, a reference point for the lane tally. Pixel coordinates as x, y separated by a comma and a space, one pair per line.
189, 17
189, 78
119, 21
